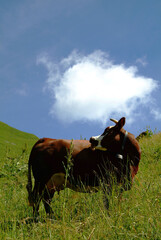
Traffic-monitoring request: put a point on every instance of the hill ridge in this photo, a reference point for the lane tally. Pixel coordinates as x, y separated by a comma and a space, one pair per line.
13, 129
13, 140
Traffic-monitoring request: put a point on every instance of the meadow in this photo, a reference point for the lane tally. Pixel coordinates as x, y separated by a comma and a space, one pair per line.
79, 215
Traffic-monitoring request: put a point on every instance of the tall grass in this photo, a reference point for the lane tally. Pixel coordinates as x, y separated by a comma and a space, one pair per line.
82, 215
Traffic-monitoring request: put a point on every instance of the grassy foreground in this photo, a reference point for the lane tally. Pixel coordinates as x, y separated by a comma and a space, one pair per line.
79, 215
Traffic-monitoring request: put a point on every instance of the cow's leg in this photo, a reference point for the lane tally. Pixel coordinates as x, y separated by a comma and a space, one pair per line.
106, 201
47, 197
107, 193
37, 198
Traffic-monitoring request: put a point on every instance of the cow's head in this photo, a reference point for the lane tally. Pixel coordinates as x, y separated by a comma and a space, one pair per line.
110, 135
117, 140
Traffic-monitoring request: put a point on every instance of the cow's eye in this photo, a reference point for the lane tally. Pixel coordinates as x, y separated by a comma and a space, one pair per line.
109, 133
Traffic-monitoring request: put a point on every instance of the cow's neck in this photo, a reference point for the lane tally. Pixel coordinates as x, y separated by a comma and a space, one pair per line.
119, 145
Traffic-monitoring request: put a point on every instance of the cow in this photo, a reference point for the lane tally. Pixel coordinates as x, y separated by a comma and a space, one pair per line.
147, 133
82, 165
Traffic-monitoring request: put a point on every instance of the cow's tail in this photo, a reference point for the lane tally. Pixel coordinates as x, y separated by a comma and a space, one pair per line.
29, 185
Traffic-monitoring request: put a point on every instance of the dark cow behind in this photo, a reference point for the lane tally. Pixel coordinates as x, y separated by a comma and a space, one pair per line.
118, 155
147, 133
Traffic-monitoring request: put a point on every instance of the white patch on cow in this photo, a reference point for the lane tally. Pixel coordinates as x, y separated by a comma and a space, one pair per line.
99, 139
111, 127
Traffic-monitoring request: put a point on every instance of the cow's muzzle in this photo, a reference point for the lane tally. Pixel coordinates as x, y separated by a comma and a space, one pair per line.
93, 142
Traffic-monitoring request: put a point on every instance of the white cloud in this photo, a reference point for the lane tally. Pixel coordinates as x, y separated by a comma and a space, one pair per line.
93, 88
21, 91
142, 61
156, 113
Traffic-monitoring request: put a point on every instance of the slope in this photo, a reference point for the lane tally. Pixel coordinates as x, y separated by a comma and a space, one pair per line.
13, 141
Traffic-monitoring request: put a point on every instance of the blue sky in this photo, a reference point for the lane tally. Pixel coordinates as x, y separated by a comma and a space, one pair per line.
67, 66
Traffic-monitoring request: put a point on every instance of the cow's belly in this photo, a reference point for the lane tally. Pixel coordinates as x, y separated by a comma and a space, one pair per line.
58, 182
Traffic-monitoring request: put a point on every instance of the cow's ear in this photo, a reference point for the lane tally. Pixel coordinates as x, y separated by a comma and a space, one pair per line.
121, 123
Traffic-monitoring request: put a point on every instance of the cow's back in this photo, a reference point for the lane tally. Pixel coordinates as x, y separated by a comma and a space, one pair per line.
49, 156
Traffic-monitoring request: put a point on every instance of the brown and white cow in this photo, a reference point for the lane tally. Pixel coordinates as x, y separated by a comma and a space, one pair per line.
114, 153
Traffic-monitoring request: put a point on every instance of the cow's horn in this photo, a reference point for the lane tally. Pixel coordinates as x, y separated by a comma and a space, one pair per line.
114, 120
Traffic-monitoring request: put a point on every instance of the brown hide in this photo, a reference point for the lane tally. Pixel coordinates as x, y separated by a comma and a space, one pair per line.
88, 166
49, 157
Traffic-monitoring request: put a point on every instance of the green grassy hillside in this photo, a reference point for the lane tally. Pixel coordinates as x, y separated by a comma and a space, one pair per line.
13, 141
77, 215
15, 147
